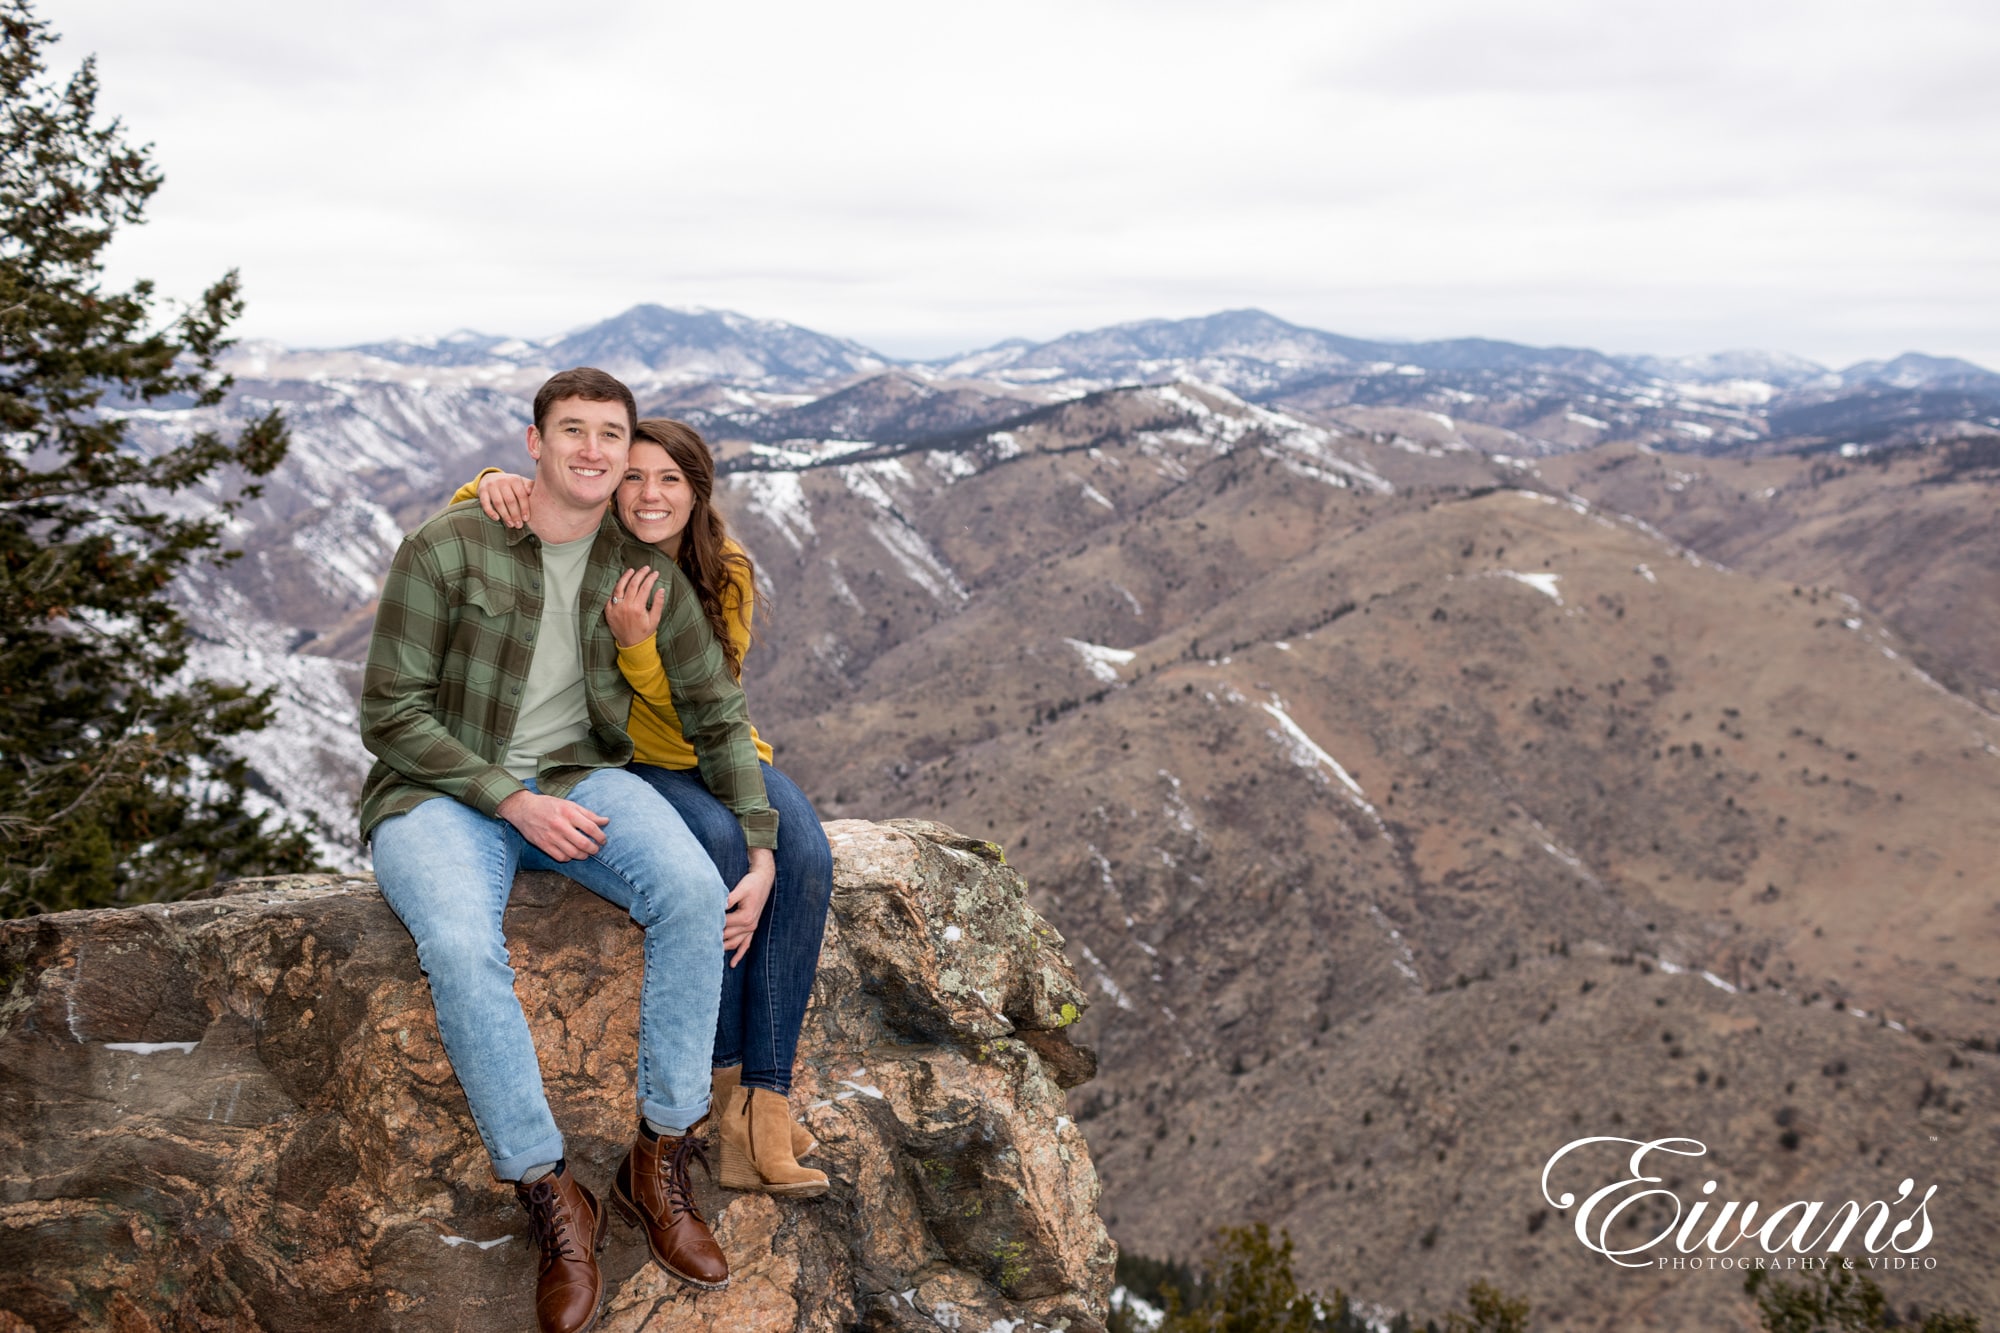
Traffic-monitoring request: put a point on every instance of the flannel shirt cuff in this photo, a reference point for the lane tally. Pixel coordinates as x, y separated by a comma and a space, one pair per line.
491, 788
760, 828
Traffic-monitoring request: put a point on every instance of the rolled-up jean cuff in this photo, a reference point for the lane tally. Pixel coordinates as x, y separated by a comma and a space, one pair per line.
545, 1153
679, 1119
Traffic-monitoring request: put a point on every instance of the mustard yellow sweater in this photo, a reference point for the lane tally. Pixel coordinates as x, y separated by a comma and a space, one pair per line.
655, 727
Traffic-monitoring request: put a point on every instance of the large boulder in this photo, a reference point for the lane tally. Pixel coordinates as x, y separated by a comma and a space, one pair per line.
234, 1113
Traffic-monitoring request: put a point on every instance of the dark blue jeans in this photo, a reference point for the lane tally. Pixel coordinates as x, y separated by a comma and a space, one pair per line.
764, 997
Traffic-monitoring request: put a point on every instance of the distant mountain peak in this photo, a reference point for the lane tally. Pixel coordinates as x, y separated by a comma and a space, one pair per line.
655, 344
1781, 369
1917, 370
1247, 349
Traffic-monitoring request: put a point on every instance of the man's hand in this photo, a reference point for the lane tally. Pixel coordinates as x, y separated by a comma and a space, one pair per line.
746, 904
563, 829
635, 606
504, 496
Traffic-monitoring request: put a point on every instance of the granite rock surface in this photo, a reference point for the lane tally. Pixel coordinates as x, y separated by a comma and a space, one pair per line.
234, 1113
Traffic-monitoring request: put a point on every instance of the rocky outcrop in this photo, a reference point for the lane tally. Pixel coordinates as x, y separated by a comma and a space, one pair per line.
235, 1113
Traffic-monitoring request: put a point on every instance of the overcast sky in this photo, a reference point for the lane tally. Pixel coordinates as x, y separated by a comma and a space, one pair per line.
1818, 177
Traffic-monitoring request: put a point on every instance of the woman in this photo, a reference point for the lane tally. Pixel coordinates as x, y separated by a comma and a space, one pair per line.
777, 911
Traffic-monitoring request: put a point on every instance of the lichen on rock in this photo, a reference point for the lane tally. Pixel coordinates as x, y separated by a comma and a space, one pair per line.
235, 1113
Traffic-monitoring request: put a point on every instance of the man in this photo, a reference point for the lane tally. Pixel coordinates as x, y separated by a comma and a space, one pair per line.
496, 712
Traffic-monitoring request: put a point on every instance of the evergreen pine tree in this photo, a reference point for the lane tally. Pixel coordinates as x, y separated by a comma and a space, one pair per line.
1247, 1286
1835, 1299
115, 781
1490, 1311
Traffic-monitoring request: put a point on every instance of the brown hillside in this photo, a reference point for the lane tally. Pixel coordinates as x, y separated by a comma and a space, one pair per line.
1403, 836
1908, 532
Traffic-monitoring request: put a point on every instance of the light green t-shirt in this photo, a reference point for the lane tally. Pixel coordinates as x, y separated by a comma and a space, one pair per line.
553, 711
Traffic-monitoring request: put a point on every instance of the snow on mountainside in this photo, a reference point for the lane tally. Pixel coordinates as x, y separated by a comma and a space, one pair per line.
1551, 398
1344, 705
661, 348
368, 460
383, 432
1914, 370
462, 348
1247, 349
651, 345
309, 761
769, 381
1144, 346
1775, 368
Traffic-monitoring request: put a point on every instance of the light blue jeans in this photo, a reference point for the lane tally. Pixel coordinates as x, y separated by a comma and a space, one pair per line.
447, 871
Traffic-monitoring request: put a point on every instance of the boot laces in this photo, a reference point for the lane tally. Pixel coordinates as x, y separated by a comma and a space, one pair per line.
549, 1224
676, 1178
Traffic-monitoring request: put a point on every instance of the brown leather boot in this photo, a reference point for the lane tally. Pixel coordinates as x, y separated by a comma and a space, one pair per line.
722, 1086
566, 1222
652, 1192
757, 1147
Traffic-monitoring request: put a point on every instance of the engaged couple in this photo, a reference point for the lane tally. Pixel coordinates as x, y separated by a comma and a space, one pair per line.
553, 684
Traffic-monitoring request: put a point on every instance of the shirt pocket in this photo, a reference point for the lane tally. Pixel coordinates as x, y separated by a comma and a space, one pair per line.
495, 600
487, 625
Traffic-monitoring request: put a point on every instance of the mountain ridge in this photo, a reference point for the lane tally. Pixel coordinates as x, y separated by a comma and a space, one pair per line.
1353, 733
1223, 333
767, 381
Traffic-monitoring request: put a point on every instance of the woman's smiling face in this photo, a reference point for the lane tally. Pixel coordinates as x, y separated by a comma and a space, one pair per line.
655, 500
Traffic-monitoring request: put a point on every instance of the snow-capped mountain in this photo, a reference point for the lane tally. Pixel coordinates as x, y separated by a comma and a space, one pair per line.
1778, 369
650, 346
461, 348
770, 381
1246, 350
1914, 370
383, 432
1553, 398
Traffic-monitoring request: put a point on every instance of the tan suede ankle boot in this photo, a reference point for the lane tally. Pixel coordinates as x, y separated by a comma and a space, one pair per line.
722, 1086
757, 1147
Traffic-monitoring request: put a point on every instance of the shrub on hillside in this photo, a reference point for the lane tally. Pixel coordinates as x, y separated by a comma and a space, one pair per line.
1837, 1300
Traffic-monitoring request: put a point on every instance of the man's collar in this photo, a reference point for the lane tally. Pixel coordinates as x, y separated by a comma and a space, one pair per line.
609, 522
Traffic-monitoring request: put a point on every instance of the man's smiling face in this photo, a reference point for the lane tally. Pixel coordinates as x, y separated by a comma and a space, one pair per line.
580, 454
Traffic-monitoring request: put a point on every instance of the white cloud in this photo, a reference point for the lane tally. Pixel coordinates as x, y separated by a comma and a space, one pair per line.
1817, 177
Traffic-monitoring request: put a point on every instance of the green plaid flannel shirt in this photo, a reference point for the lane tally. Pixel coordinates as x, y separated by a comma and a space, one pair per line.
449, 659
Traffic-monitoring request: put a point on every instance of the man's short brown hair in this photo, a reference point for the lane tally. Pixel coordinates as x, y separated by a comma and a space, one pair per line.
590, 384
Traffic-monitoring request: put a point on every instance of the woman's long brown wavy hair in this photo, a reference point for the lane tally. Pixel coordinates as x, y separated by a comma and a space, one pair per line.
704, 558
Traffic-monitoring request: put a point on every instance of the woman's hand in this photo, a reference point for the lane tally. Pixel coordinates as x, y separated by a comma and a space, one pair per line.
504, 496
746, 904
634, 609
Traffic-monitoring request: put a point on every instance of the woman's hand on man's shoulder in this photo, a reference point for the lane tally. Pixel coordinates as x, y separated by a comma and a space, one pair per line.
505, 497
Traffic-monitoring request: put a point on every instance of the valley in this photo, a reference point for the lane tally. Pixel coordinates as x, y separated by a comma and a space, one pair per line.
1430, 753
